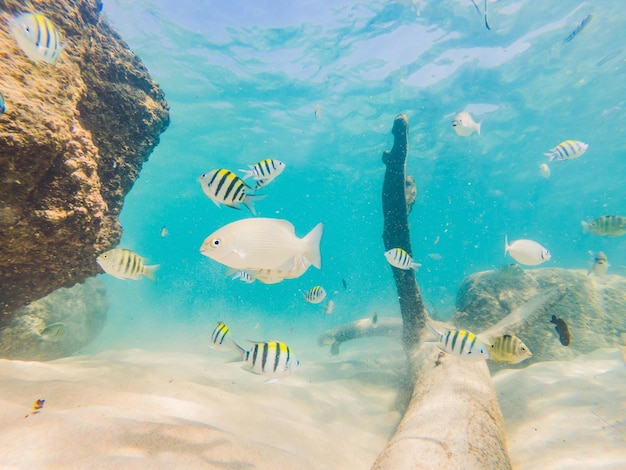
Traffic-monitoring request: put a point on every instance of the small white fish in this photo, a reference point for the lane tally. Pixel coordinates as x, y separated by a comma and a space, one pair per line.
272, 359
220, 339
318, 111
330, 306
461, 343
600, 265
264, 172
400, 259
435, 256
526, 252
567, 150
37, 36
315, 295
164, 232
263, 243
225, 187
125, 264
544, 170
464, 125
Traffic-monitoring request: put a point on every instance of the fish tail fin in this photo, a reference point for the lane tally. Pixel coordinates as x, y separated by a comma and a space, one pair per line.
478, 127
550, 155
415, 266
250, 199
242, 353
434, 335
150, 271
247, 174
585, 226
312, 245
506, 244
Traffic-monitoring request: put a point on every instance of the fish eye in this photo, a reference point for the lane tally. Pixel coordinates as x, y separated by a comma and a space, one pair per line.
523, 349
215, 243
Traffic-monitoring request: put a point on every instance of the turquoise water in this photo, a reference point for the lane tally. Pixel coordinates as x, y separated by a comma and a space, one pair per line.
243, 80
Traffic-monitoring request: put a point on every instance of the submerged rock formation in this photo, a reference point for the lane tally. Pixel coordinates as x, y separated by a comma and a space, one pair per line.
592, 306
72, 143
57, 325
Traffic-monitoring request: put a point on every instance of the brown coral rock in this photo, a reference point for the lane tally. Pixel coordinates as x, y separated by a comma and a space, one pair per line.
72, 144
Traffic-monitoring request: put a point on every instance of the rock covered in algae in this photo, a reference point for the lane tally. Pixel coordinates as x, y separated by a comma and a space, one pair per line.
57, 325
593, 308
72, 143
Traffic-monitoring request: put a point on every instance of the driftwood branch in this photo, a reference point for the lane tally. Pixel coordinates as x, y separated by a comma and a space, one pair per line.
453, 419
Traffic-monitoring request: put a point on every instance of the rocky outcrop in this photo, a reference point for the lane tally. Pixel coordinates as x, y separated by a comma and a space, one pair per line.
57, 325
592, 306
72, 143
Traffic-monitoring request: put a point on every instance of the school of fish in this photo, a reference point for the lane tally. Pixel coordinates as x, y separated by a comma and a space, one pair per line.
269, 251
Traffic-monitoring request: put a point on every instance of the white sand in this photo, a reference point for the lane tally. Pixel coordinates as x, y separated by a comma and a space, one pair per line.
140, 409
566, 415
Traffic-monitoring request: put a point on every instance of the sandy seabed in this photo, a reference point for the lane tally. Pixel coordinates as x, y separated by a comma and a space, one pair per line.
154, 410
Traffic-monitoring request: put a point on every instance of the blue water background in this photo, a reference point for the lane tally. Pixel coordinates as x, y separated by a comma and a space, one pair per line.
243, 79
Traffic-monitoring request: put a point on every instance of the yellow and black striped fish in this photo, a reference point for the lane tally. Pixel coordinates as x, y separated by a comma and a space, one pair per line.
461, 343
125, 264
220, 339
37, 37
225, 187
273, 359
509, 348
400, 259
608, 225
264, 172
315, 295
567, 150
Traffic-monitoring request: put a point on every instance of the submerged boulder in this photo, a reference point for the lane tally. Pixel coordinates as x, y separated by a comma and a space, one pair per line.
57, 325
592, 307
72, 143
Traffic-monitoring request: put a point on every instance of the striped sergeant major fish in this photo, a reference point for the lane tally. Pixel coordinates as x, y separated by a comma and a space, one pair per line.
607, 225
243, 276
37, 36
220, 339
125, 264
461, 343
315, 295
264, 172
567, 150
509, 348
225, 187
400, 259
273, 359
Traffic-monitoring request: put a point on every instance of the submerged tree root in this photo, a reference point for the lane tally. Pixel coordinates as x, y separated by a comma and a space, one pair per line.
453, 419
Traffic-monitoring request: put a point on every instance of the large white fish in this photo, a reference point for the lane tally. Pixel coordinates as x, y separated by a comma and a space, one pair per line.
526, 252
464, 125
263, 243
